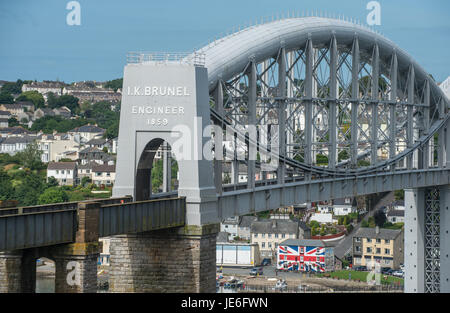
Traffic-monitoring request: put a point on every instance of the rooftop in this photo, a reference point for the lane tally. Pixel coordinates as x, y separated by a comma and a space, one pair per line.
246, 221
384, 233
274, 226
396, 213
88, 129
303, 242
62, 166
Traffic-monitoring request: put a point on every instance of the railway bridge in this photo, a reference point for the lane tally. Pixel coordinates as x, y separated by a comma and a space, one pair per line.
292, 111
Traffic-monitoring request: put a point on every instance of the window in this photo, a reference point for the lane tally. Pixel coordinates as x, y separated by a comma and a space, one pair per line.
57, 172
378, 250
357, 239
369, 240
98, 174
357, 249
269, 235
378, 240
387, 241
283, 235
108, 174
387, 251
263, 244
276, 235
369, 250
269, 245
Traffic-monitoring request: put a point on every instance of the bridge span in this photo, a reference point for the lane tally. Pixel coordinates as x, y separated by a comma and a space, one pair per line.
313, 108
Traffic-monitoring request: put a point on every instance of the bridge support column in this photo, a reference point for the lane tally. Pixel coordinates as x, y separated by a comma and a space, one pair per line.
171, 260
10, 271
414, 240
18, 271
445, 239
76, 263
76, 267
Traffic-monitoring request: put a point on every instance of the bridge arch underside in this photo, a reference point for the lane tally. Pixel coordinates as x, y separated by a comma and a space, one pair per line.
347, 101
143, 184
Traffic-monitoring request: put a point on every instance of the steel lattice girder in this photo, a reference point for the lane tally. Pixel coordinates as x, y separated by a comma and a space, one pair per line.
275, 196
328, 49
432, 240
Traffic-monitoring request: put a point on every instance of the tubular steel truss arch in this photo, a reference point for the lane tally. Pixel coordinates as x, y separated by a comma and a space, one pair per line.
352, 102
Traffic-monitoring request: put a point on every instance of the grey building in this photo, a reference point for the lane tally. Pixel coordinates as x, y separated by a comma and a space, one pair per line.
396, 216
244, 226
268, 234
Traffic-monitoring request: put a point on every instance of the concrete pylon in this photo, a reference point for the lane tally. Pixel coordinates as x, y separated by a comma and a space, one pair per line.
166, 103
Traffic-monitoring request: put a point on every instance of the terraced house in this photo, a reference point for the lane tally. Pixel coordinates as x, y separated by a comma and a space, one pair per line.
384, 246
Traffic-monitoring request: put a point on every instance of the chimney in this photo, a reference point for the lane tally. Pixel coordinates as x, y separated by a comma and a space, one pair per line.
377, 230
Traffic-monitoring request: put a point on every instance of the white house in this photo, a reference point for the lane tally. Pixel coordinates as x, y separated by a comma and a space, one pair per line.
396, 216
398, 205
56, 146
230, 225
64, 172
87, 132
14, 144
103, 174
323, 218
343, 206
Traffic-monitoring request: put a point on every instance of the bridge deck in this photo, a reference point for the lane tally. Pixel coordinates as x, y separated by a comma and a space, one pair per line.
46, 225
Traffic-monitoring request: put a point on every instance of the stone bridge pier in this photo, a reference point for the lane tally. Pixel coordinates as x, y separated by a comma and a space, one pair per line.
170, 260
75, 263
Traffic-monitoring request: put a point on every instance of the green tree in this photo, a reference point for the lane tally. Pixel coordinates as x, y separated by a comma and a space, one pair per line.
53, 195
31, 157
399, 194
12, 121
68, 101
52, 182
85, 181
6, 188
380, 218
6, 97
12, 88
33, 96
114, 84
157, 175
321, 159
29, 190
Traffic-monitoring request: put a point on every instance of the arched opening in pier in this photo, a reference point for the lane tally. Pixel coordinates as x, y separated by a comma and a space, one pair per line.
45, 275
157, 170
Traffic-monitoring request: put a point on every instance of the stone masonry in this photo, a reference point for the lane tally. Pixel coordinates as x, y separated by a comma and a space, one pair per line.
171, 260
10, 271
76, 263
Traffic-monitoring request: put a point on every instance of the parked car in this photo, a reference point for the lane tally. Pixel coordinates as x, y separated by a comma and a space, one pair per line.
398, 273
256, 271
265, 262
360, 268
386, 270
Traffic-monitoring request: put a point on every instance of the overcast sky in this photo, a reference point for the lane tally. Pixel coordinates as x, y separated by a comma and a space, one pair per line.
37, 43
